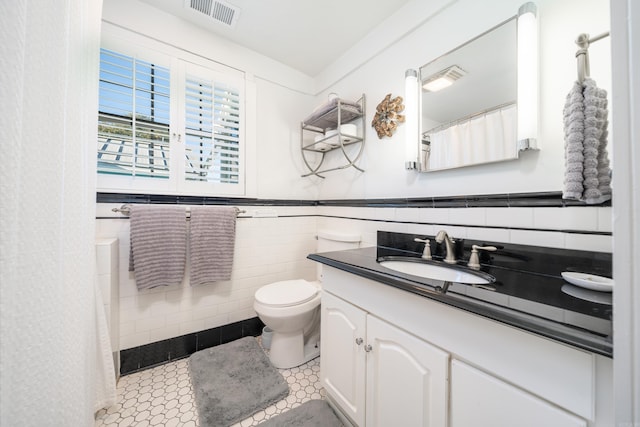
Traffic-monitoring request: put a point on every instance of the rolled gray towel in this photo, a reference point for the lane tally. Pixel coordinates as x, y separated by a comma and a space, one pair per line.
596, 172
573, 143
587, 170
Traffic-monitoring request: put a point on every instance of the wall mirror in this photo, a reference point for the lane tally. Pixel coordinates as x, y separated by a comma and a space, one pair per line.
475, 99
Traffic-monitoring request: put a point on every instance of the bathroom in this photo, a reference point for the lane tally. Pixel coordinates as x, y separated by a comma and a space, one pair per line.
48, 312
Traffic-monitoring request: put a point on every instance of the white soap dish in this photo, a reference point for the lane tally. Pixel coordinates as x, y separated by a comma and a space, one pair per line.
589, 281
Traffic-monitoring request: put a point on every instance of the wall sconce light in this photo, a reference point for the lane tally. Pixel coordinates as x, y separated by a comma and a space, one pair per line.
527, 77
412, 120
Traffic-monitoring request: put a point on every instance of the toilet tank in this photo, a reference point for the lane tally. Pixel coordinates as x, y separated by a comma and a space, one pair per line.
329, 241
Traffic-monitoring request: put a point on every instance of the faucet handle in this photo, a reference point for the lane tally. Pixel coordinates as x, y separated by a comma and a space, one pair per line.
426, 253
474, 259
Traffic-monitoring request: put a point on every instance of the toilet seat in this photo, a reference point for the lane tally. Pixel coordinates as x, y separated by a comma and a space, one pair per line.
286, 293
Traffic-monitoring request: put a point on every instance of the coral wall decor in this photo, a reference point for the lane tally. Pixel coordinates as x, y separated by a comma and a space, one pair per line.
387, 118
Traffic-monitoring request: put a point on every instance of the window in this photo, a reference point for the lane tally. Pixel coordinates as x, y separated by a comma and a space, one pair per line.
169, 125
212, 132
133, 118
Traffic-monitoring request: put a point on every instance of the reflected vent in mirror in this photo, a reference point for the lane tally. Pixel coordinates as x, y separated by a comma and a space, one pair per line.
443, 78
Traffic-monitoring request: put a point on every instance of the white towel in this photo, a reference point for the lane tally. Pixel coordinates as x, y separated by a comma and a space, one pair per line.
212, 243
158, 244
585, 134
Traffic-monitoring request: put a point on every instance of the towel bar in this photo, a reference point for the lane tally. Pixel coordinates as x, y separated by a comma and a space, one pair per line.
124, 210
583, 41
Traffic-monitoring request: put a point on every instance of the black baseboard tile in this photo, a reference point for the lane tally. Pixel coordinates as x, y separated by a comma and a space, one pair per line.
158, 353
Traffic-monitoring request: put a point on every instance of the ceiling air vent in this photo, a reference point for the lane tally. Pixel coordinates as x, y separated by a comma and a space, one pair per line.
220, 12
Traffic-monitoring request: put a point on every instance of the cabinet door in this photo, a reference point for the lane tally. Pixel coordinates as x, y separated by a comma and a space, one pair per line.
406, 379
342, 362
479, 399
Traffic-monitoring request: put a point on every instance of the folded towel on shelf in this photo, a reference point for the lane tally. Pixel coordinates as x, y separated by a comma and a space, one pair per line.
158, 245
587, 172
348, 111
212, 243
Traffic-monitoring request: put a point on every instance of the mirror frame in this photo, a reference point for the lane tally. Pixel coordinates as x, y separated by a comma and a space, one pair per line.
526, 84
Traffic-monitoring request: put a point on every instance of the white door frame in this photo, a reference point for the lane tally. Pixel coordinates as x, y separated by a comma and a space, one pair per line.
625, 54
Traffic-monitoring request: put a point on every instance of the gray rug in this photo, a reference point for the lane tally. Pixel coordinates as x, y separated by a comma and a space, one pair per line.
314, 413
233, 381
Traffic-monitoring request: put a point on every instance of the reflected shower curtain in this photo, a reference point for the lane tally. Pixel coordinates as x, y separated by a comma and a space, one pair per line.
486, 138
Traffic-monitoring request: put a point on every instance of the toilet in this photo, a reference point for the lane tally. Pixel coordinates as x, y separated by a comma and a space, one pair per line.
291, 308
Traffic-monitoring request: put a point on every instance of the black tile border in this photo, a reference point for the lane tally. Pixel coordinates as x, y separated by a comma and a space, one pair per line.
158, 353
509, 200
195, 200
514, 200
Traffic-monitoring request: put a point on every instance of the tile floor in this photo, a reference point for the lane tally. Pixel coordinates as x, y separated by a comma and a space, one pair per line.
163, 396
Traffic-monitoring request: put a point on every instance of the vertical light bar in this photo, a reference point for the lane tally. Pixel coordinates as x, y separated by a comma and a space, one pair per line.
411, 119
527, 76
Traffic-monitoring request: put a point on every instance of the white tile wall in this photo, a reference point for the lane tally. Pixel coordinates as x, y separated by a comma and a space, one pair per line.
510, 217
267, 250
272, 249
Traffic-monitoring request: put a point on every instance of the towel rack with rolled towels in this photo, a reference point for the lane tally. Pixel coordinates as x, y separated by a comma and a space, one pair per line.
583, 41
124, 210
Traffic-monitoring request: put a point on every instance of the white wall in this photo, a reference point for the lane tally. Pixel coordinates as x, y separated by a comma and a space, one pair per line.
559, 25
48, 79
284, 96
279, 163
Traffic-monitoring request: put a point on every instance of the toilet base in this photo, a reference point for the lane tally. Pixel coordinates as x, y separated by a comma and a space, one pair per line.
290, 350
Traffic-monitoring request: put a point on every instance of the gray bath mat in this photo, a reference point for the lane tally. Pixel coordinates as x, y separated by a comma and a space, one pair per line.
233, 381
314, 413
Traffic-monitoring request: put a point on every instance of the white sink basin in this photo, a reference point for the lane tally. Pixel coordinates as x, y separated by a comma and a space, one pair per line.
439, 272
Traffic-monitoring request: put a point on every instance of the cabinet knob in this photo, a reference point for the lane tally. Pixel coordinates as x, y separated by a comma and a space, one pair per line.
368, 348
358, 341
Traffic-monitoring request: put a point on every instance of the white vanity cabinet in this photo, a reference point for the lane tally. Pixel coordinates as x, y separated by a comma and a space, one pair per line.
343, 362
379, 374
480, 399
390, 357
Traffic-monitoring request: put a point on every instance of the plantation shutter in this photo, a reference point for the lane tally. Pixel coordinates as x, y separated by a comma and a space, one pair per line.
133, 118
212, 131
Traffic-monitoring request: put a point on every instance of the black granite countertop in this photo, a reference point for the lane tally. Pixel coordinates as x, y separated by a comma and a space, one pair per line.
529, 293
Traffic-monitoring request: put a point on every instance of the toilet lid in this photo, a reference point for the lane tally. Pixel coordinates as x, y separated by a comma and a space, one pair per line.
286, 293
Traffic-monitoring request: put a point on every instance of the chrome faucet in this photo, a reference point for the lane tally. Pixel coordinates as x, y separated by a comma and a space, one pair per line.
450, 257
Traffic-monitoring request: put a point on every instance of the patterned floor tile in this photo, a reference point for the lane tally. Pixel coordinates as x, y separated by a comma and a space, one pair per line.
163, 396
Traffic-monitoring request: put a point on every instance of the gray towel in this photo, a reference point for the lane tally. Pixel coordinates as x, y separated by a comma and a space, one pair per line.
158, 245
212, 242
587, 172
596, 163
573, 139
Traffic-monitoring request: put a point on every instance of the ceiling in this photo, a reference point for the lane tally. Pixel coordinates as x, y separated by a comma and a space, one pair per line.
306, 35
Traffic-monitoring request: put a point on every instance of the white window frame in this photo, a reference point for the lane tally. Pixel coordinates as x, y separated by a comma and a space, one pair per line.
179, 62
